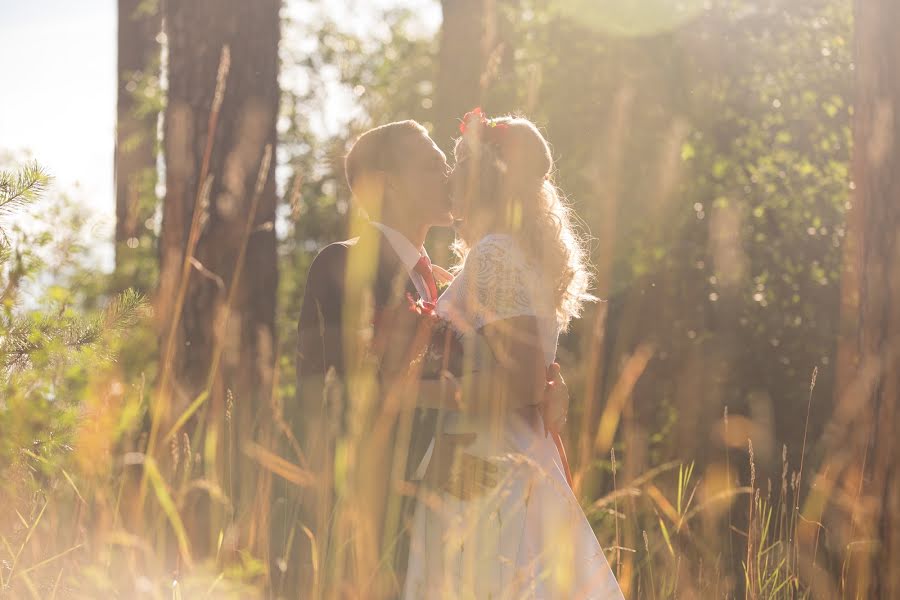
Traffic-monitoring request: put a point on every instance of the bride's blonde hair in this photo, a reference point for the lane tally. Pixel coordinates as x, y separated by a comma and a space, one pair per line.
509, 167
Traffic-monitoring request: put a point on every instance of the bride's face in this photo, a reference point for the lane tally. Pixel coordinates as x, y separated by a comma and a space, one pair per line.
455, 182
462, 195
473, 202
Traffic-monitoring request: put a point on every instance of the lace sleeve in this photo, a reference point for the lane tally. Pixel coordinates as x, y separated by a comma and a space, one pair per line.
496, 283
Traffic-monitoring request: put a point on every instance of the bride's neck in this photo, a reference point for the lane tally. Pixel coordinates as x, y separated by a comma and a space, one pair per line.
475, 234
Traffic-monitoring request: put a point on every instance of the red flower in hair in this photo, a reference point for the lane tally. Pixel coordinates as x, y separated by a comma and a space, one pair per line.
489, 127
473, 115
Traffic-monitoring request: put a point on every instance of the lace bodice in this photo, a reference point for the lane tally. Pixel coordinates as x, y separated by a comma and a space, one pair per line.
498, 282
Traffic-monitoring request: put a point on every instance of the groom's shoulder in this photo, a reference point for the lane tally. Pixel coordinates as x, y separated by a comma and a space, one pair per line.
336, 250
332, 258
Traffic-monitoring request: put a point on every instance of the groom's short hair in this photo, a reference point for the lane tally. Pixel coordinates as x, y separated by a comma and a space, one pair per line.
378, 149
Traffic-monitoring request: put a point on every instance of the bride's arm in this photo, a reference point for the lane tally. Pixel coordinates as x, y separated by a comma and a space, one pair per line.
516, 376
496, 299
512, 377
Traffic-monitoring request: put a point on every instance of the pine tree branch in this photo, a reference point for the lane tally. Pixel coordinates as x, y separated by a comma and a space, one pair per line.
21, 188
26, 336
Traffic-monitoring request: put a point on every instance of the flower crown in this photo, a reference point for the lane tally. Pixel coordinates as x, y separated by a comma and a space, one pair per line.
489, 131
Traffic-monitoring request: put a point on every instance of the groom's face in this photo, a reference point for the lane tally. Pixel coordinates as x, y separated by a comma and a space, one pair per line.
421, 181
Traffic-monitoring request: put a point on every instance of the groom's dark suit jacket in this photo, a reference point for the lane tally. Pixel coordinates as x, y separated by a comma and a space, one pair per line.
342, 279
330, 288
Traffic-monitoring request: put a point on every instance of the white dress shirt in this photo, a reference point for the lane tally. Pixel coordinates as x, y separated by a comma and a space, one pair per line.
409, 256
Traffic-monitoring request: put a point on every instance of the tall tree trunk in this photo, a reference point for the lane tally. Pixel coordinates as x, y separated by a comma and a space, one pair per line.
475, 68
220, 340
136, 117
461, 64
870, 404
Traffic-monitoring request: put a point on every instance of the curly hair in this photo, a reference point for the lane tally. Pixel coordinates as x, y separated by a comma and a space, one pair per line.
509, 173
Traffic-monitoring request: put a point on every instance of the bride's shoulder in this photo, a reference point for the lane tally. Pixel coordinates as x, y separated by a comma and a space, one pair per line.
496, 239
498, 256
497, 244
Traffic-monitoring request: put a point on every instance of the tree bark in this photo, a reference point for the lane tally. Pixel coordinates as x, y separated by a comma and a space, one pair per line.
870, 403
136, 117
221, 339
461, 63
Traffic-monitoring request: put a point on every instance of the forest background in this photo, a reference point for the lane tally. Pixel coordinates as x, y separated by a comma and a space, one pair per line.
734, 391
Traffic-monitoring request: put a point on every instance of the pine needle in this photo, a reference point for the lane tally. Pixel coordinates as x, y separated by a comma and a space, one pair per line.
21, 188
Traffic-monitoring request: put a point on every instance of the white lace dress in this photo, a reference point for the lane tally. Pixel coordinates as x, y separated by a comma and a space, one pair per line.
527, 537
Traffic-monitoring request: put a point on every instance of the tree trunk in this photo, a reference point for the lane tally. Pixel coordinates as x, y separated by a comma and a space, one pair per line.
873, 398
461, 64
221, 339
136, 117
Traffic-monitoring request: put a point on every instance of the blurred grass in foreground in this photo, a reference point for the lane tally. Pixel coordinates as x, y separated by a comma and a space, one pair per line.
73, 453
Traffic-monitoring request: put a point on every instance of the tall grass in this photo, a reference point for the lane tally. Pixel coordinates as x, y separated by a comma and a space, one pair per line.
70, 538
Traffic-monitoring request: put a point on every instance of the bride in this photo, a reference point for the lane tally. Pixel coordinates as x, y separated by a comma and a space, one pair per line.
513, 529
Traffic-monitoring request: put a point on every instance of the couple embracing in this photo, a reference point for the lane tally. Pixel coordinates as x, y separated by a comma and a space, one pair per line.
466, 472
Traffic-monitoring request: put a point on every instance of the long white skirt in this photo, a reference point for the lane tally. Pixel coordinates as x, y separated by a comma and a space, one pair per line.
526, 538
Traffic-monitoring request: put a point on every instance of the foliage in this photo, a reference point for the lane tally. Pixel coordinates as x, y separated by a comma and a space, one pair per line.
19, 189
55, 358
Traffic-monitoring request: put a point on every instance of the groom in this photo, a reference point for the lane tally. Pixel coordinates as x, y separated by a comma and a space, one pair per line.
398, 177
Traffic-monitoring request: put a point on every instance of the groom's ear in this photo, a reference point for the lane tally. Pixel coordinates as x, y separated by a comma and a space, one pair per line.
389, 180
369, 190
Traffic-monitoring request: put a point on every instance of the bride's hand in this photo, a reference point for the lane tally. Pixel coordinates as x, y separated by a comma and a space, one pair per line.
555, 406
